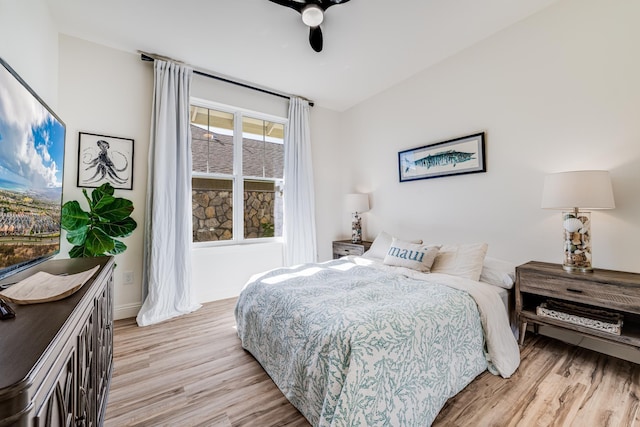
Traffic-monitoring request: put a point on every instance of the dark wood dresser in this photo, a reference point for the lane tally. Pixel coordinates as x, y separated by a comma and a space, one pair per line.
56, 357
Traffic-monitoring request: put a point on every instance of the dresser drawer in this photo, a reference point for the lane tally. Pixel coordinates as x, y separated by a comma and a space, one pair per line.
589, 292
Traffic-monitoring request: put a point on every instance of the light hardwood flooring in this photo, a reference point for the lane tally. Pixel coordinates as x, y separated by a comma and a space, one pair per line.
192, 371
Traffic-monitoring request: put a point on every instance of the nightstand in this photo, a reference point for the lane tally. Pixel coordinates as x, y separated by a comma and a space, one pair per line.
615, 292
346, 247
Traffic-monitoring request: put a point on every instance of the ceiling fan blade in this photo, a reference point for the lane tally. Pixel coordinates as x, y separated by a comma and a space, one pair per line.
326, 4
315, 38
293, 4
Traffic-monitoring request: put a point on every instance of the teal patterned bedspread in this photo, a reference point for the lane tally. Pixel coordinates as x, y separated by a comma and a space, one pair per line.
351, 345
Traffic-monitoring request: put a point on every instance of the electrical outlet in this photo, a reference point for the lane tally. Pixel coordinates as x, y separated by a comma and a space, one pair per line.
127, 277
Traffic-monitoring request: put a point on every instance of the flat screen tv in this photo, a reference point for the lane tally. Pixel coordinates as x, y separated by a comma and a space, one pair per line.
31, 163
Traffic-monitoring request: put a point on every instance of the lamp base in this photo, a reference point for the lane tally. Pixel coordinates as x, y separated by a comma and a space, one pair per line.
572, 269
356, 229
577, 241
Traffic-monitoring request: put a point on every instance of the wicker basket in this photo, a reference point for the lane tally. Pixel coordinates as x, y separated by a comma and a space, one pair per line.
587, 317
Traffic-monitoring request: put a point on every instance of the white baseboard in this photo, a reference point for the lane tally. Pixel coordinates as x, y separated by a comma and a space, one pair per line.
126, 311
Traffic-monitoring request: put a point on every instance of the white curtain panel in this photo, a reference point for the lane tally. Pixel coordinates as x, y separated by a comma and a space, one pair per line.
167, 257
299, 209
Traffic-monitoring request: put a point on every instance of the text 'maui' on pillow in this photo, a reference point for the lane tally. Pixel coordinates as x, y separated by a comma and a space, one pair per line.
415, 256
380, 246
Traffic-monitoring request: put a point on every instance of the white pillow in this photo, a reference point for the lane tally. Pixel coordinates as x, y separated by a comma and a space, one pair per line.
461, 260
380, 246
411, 255
498, 272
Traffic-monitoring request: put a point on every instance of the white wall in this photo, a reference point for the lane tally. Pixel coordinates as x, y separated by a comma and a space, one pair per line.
221, 272
558, 91
108, 92
30, 45
237, 96
330, 169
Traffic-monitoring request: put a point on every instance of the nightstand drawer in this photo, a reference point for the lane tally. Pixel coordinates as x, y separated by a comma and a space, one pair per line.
595, 293
344, 249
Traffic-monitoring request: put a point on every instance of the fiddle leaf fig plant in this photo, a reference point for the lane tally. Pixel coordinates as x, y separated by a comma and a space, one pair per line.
94, 233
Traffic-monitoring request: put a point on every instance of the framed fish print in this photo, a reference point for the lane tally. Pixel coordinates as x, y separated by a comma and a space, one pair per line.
453, 157
103, 158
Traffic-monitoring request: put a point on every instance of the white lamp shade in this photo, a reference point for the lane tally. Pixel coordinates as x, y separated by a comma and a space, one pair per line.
578, 189
356, 203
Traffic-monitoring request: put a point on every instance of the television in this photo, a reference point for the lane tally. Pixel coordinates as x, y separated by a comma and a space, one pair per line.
32, 140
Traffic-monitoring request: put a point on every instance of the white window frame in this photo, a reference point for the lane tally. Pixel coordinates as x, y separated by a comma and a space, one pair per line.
237, 178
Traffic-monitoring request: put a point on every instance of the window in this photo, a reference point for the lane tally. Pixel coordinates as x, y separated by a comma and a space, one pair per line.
238, 161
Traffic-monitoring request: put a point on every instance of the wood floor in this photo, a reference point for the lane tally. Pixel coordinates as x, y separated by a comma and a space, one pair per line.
192, 371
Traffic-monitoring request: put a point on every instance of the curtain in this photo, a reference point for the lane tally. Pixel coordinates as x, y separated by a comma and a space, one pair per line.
299, 208
167, 240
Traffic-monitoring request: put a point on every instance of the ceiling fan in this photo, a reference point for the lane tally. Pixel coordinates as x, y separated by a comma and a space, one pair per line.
312, 12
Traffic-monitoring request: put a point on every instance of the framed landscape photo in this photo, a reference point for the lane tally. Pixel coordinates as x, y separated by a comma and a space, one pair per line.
103, 158
453, 157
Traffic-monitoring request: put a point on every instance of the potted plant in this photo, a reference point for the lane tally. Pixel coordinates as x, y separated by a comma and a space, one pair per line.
94, 233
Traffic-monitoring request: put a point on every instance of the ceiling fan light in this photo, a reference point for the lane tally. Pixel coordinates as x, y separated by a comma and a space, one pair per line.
312, 15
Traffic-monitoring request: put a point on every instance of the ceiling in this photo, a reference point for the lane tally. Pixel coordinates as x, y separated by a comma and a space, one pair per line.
369, 45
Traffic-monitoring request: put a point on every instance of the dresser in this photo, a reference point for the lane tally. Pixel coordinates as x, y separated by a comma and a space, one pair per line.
347, 247
614, 293
56, 357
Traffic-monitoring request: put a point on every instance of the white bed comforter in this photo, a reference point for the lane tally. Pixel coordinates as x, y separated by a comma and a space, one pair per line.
503, 353
352, 342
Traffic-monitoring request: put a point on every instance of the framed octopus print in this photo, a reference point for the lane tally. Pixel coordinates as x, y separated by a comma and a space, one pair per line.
102, 159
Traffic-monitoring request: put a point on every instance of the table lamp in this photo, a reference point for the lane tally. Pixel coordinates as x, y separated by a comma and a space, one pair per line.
572, 192
356, 204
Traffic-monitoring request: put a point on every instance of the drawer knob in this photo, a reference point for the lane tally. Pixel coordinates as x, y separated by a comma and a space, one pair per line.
575, 291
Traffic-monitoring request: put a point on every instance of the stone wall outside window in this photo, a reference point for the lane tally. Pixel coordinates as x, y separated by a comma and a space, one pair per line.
213, 215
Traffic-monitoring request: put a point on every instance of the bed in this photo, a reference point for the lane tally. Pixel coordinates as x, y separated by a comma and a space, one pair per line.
357, 342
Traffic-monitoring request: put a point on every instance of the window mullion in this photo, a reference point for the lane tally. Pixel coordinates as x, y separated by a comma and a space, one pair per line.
238, 182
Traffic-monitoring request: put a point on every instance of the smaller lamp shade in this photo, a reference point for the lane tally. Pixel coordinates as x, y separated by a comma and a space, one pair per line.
357, 203
578, 189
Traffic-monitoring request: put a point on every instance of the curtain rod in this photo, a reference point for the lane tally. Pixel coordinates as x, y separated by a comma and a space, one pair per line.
151, 58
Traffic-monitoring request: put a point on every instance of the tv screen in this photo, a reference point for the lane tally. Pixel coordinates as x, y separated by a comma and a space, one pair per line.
31, 162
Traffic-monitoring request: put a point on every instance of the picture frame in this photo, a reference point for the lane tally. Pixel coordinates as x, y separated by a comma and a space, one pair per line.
103, 158
457, 156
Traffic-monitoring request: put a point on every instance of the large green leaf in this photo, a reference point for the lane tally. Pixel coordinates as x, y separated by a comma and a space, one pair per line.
118, 248
100, 199
79, 252
73, 217
105, 190
117, 210
118, 229
77, 236
98, 243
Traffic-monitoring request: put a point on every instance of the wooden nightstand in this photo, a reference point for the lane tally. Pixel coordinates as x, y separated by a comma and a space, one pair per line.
616, 292
346, 247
